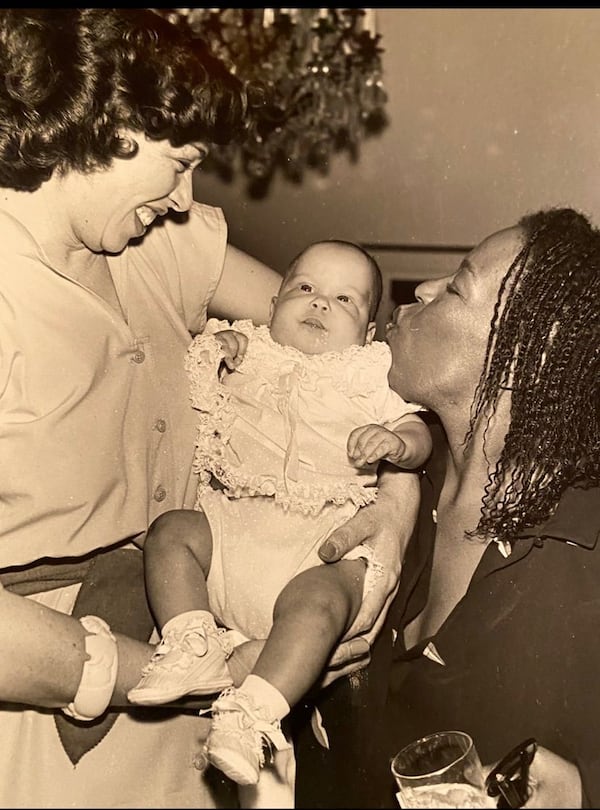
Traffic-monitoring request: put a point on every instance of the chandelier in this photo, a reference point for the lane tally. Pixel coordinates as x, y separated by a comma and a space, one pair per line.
317, 80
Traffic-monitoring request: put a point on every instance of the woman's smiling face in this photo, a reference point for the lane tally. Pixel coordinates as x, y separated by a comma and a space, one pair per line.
438, 344
117, 204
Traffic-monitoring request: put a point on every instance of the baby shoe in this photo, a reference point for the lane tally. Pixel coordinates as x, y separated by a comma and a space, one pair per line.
239, 734
190, 660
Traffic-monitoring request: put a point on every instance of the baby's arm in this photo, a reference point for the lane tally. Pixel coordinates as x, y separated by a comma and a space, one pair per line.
405, 443
218, 344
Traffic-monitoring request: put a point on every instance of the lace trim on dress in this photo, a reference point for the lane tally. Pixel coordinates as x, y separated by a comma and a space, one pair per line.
302, 497
375, 569
202, 363
350, 371
215, 421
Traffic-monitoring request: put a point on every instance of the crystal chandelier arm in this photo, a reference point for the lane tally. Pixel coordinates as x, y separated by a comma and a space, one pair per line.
314, 79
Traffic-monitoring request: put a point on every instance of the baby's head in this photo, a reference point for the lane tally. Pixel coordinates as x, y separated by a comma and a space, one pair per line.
328, 299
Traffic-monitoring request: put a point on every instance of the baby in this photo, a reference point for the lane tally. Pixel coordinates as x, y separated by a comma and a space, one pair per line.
294, 418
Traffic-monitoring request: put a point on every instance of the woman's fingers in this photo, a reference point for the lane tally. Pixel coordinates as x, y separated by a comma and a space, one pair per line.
348, 657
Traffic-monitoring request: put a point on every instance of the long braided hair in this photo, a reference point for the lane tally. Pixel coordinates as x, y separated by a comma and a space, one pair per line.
544, 347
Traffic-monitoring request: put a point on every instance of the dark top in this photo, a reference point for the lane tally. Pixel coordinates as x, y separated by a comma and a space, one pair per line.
520, 652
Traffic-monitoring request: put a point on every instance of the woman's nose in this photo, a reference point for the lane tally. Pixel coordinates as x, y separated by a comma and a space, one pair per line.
428, 290
181, 197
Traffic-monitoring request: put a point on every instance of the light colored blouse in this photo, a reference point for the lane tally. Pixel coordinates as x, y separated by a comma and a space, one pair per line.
278, 425
96, 429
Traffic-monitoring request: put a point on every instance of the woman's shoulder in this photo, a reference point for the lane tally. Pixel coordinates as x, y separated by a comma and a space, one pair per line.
187, 231
17, 243
181, 257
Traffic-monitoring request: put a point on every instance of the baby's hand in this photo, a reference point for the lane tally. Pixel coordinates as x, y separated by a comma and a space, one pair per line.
234, 345
370, 443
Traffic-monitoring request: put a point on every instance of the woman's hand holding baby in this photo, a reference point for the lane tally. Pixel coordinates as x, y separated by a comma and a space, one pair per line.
385, 526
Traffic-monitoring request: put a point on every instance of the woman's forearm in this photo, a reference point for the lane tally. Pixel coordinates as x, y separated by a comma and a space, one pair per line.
399, 496
386, 526
43, 653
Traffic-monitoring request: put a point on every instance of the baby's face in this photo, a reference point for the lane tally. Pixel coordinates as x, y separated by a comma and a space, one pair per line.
323, 305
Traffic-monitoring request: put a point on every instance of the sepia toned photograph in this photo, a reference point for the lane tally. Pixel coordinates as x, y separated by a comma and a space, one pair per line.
299, 408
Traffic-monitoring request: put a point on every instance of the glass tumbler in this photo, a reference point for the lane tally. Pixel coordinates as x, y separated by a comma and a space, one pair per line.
440, 770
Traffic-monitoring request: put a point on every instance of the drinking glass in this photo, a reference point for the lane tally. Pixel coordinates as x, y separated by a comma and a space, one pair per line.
440, 770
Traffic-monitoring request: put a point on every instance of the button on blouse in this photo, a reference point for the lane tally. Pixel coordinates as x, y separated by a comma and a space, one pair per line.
80, 388
160, 493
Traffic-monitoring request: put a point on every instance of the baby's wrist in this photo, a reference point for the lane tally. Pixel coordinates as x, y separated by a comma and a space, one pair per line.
399, 456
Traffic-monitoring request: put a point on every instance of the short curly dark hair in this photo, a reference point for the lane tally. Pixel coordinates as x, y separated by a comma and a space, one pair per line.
544, 346
70, 77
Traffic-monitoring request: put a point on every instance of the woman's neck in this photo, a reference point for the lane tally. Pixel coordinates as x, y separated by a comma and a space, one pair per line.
457, 514
468, 466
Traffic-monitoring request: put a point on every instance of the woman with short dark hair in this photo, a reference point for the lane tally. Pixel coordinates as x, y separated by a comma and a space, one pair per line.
108, 269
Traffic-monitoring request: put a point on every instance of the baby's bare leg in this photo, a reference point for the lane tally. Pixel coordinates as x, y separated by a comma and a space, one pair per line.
311, 614
177, 556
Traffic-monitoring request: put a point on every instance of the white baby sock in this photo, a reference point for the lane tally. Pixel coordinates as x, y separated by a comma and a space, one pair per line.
191, 619
265, 694
195, 629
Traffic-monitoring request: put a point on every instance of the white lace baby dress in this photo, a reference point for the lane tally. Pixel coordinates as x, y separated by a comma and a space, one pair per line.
273, 434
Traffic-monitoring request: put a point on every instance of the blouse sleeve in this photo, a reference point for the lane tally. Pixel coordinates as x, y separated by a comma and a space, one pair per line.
188, 256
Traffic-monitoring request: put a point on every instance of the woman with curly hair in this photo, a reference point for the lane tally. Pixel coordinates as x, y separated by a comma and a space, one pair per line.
497, 615
108, 270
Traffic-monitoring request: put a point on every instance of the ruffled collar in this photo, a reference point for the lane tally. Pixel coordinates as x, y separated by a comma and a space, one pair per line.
355, 353
352, 370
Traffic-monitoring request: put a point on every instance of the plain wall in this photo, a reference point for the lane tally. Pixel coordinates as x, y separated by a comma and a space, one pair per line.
492, 112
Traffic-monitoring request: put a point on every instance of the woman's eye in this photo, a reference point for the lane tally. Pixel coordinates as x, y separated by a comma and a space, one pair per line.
345, 299
306, 287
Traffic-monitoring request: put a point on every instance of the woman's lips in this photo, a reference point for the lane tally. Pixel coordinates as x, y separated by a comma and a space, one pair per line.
397, 315
391, 324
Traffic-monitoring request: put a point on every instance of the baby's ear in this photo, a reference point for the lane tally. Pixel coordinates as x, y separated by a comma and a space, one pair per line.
272, 307
370, 332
